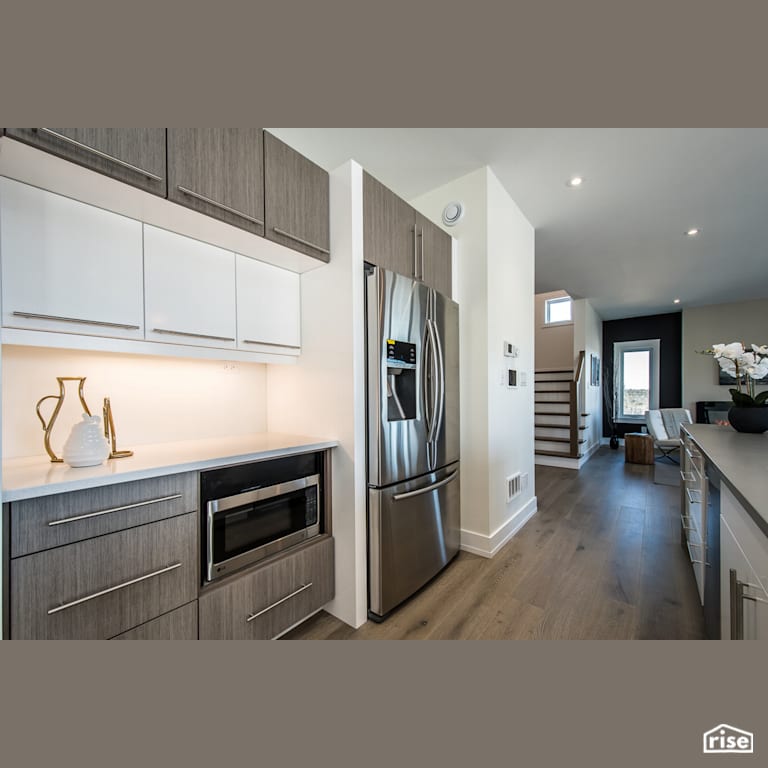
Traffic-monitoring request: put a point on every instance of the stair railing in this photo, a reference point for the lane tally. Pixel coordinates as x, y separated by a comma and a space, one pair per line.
575, 406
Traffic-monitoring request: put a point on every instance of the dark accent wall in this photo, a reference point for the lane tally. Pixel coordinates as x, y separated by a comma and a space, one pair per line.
668, 328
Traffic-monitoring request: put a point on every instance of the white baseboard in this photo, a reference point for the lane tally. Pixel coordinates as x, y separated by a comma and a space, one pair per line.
488, 546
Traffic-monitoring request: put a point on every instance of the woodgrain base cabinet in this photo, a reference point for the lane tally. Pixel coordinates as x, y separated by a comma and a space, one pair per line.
263, 603
101, 587
180, 624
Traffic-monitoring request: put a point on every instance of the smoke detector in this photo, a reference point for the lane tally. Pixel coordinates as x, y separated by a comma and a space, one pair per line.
452, 213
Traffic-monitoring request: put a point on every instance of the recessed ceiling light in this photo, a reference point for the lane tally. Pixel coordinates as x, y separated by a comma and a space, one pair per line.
676, 301
574, 181
693, 232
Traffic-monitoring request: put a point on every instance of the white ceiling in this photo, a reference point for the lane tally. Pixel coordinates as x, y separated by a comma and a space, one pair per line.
619, 239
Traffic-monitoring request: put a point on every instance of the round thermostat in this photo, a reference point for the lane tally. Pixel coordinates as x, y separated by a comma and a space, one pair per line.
452, 213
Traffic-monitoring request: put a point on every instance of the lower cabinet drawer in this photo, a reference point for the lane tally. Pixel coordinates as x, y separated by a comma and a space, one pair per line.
263, 603
180, 624
98, 588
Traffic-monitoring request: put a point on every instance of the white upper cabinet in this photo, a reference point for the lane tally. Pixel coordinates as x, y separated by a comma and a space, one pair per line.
268, 307
67, 266
189, 291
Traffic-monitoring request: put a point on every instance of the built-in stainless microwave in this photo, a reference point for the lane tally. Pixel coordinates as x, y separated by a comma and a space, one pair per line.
253, 511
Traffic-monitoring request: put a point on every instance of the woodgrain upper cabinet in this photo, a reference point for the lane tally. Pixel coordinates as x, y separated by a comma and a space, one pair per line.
67, 266
219, 172
397, 237
435, 255
189, 290
389, 233
296, 200
133, 155
268, 307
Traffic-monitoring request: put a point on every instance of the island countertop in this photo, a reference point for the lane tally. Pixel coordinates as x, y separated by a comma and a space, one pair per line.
742, 460
28, 478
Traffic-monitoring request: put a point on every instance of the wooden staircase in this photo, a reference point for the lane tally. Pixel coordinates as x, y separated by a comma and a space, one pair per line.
558, 414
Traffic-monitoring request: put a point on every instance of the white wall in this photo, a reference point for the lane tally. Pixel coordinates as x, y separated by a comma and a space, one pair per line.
471, 280
588, 335
495, 263
745, 321
154, 399
323, 394
554, 343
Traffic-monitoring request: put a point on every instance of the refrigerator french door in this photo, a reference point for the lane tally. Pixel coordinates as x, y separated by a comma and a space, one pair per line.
413, 436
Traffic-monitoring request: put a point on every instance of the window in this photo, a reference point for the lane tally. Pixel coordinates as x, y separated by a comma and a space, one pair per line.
636, 383
557, 310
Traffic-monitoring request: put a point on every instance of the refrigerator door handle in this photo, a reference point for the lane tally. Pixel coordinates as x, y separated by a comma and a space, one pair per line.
440, 405
428, 489
434, 388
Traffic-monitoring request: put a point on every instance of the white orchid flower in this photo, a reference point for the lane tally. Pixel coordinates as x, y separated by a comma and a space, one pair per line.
731, 351
729, 366
763, 350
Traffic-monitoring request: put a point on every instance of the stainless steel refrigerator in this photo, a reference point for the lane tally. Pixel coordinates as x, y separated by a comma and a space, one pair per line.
413, 436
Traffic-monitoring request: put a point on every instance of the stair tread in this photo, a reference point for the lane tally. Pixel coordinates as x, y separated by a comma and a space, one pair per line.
557, 439
552, 413
556, 426
562, 454
553, 381
556, 370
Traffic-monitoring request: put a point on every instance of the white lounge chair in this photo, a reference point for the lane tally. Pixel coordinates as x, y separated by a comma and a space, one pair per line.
664, 427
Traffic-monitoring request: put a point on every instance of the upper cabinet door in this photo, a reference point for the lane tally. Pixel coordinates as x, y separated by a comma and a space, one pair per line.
268, 307
133, 155
219, 172
389, 232
189, 290
435, 255
67, 266
297, 204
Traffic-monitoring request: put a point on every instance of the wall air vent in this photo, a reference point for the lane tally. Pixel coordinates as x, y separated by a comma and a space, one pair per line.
514, 486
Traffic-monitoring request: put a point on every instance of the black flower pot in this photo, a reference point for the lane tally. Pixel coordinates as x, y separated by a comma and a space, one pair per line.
754, 420
614, 441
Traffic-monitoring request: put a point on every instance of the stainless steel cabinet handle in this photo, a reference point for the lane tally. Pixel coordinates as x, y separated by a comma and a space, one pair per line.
736, 595
114, 509
687, 476
216, 204
411, 494
271, 344
415, 253
690, 494
421, 260
301, 240
192, 335
114, 589
99, 153
690, 544
278, 602
61, 318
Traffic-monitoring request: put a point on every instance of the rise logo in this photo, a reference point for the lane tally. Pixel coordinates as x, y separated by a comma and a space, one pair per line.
725, 739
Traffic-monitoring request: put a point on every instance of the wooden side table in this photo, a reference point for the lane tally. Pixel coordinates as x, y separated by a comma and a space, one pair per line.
638, 448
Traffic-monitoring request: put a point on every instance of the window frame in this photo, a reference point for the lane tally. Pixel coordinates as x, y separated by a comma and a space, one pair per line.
653, 347
558, 300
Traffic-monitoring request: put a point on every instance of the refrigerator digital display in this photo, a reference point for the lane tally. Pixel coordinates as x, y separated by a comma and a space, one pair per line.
401, 352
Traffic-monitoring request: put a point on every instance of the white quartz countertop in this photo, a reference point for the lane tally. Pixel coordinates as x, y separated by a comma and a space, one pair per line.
742, 460
28, 478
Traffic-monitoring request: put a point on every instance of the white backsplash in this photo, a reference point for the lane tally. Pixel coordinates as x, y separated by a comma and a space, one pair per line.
154, 399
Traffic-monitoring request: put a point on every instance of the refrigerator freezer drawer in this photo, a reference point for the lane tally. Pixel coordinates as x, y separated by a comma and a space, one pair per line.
413, 530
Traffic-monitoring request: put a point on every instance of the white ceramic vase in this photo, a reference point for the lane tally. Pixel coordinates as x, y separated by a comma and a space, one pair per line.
86, 445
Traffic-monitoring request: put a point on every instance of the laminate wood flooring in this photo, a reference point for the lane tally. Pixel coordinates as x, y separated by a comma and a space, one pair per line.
601, 559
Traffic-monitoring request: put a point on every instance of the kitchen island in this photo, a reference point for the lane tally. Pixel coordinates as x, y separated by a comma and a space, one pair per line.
724, 502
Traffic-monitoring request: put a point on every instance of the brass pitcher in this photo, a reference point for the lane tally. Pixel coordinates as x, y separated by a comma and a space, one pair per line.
59, 402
